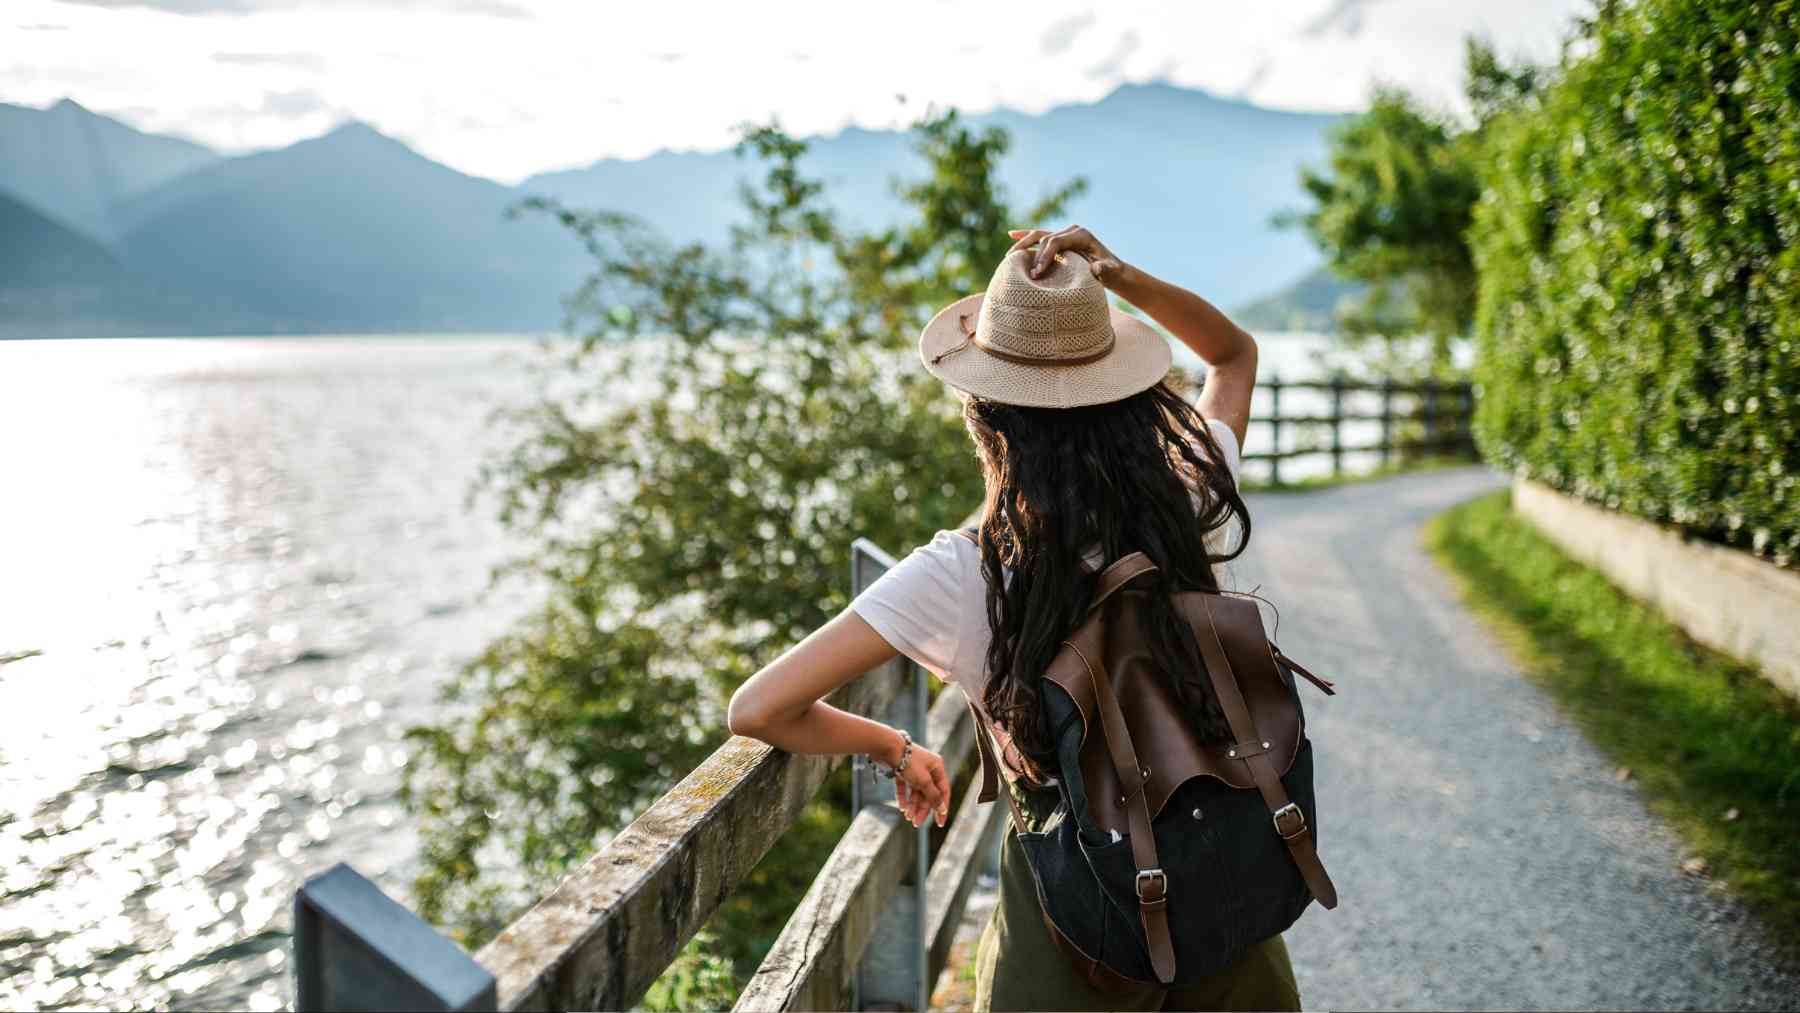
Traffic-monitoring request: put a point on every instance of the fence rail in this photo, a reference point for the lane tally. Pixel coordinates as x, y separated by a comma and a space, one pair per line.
1422, 417
873, 931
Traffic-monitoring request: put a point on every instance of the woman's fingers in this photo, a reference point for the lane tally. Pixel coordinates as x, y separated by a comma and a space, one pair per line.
1072, 238
942, 781
1024, 238
927, 794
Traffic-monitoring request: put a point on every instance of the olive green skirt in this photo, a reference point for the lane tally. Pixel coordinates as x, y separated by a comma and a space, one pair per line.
1019, 967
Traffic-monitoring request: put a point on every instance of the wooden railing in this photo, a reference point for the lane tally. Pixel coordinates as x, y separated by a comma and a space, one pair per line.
1429, 417
874, 929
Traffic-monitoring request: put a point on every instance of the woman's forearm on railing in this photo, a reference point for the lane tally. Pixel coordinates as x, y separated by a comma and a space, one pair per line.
784, 706
823, 729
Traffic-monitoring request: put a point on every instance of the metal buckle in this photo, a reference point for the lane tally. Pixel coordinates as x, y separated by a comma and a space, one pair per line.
1289, 810
1162, 882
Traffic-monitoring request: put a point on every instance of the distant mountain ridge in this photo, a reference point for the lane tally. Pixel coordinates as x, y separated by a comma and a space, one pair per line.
1180, 181
78, 166
353, 231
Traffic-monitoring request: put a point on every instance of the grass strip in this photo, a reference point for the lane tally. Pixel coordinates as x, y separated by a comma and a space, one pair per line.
1715, 749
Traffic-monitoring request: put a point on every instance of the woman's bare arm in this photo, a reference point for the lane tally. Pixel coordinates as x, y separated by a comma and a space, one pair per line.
1227, 349
782, 705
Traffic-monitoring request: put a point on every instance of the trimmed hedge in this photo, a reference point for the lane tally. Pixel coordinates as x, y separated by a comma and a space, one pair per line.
1638, 248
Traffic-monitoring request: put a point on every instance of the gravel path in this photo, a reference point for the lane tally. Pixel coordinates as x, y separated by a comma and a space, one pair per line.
1484, 853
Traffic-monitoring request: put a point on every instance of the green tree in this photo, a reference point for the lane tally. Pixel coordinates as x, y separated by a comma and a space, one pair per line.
732, 418
1394, 207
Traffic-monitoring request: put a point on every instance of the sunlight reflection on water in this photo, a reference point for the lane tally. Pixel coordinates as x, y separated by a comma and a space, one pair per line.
239, 569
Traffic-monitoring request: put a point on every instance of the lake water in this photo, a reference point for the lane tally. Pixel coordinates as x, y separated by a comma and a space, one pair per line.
232, 571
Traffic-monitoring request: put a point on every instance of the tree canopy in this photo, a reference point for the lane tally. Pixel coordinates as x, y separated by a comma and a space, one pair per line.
1392, 210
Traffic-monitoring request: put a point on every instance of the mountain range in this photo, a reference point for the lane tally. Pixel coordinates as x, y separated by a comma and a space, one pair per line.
108, 230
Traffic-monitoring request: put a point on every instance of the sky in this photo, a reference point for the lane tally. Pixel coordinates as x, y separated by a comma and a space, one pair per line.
506, 88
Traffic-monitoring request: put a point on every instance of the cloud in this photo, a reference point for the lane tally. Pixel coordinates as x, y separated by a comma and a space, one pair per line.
295, 104
1111, 64
298, 61
490, 8
1343, 16
43, 28
1062, 34
453, 83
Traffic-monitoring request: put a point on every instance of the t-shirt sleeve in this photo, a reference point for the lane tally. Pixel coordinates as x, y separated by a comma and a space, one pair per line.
1228, 444
917, 605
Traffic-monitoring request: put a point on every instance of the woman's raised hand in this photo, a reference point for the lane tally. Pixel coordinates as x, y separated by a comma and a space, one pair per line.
1074, 239
923, 789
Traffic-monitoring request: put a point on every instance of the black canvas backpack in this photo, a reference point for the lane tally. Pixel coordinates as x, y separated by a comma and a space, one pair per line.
1161, 858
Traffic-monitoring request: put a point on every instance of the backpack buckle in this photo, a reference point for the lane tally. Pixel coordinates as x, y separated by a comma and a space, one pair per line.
1161, 880
1286, 811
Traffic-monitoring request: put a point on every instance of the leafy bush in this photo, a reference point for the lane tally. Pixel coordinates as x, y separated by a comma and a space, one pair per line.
1638, 316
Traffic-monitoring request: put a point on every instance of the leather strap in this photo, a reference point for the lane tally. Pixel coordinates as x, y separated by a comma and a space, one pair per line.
1268, 779
1326, 686
1117, 574
990, 783
1152, 884
1120, 572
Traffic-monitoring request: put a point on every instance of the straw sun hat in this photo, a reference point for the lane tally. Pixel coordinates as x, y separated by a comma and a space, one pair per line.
1048, 342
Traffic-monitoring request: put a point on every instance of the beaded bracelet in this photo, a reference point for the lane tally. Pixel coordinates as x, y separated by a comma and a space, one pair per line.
906, 747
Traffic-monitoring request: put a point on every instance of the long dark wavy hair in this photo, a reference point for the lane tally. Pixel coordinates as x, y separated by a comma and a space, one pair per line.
1140, 474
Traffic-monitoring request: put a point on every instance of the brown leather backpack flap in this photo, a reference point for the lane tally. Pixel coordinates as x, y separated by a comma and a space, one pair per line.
1161, 731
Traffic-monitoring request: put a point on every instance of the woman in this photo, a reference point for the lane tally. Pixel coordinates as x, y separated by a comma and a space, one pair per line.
1087, 455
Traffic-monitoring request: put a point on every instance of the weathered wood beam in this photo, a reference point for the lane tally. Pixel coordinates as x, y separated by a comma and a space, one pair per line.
955, 869
609, 929
815, 957
811, 965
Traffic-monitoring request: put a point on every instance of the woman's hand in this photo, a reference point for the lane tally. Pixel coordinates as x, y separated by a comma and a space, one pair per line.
1075, 239
923, 789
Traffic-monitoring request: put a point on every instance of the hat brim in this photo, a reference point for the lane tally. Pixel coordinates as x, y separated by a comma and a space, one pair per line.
1139, 358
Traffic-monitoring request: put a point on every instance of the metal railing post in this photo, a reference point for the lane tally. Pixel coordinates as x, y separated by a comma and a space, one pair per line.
894, 969
357, 949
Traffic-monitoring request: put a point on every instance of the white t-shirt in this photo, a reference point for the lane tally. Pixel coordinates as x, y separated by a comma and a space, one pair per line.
932, 606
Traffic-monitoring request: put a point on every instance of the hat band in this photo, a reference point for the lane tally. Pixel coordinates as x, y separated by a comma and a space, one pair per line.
971, 337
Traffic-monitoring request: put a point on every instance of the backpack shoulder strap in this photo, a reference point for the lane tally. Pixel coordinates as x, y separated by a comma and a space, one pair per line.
1117, 574
1153, 905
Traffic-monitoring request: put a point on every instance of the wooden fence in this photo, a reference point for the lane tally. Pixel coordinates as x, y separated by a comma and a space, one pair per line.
873, 931
1429, 417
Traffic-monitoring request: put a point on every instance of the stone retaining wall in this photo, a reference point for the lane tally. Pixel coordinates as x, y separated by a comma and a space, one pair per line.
1726, 599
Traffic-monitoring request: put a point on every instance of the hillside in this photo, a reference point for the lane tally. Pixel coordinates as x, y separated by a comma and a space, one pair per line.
57, 283
353, 231
77, 166
1309, 304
